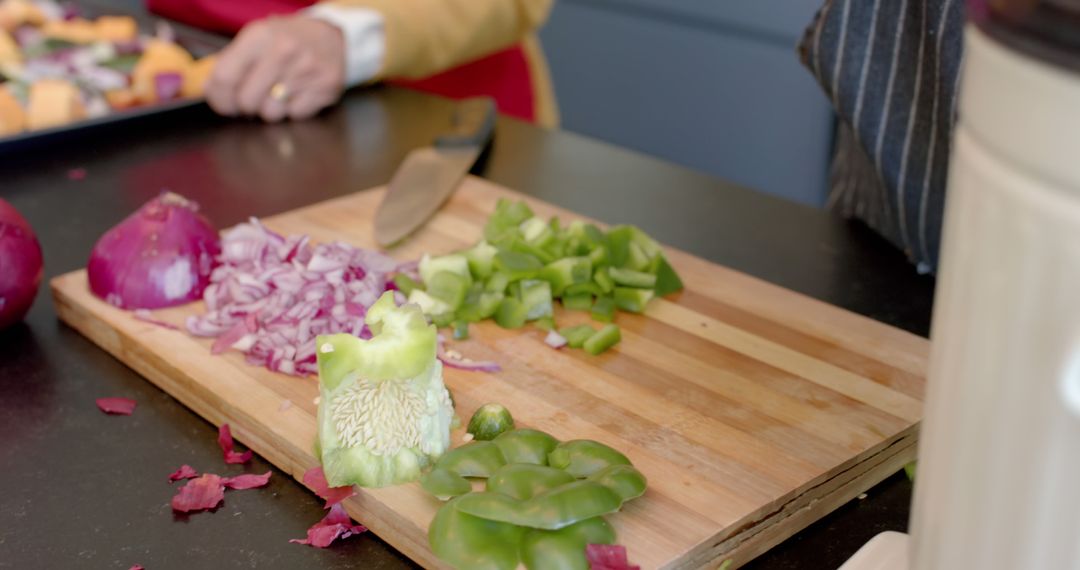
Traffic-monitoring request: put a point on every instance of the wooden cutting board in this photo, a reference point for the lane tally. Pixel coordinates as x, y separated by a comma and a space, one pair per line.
752, 410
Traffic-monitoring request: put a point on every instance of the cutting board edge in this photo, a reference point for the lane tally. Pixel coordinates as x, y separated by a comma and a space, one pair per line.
858, 476
357, 507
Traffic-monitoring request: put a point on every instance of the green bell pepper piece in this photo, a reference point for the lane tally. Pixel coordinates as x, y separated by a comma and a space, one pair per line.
576, 336
405, 284
449, 288
536, 297
588, 288
603, 280
484, 307
523, 481
464, 541
498, 282
566, 272
506, 219
605, 338
632, 300
599, 256
554, 509
631, 278
667, 281
445, 484
584, 457
461, 330
627, 482
518, 265
537, 233
564, 549
481, 258
442, 320
603, 309
618, 245
637, 260
545, 323
579, 302
490, 421
511, 313
525, 445
454, 263
475, 459
428, 305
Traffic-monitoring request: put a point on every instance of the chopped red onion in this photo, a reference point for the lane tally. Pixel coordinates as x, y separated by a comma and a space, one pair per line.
608, 557
555, 340
225, 441
336, 524
246, 481
167, 85
315, 479
453, 359
116, 406
270, 296
205, 492
184, 472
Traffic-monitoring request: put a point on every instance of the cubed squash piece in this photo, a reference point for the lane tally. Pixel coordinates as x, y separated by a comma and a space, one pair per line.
76, 31
158, 57
121, 99
116, 29
12, 115
14, 13
9, 50
53, 102
196, 77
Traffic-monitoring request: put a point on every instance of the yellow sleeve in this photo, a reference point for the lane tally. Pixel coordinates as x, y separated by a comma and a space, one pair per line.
424, 37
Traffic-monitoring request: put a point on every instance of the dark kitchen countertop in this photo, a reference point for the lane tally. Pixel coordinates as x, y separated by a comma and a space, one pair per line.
86, 490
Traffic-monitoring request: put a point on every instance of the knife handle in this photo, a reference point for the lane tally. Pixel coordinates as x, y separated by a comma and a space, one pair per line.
474, 121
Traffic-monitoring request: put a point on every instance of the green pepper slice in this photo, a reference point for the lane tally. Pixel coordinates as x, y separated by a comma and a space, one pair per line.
465, 541
584, 457
445, 484
476, 459
557, 508
526, 446
524, 481
627, 482
564, 549
604, 339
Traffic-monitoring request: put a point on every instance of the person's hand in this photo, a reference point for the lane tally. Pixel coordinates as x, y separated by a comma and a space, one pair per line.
279, 67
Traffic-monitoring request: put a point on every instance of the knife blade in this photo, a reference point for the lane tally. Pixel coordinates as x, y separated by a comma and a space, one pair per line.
429, 175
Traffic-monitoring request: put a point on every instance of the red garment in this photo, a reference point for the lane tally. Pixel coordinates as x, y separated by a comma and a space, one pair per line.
503, 76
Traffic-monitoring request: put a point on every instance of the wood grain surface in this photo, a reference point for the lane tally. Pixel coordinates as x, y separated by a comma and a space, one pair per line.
752, 410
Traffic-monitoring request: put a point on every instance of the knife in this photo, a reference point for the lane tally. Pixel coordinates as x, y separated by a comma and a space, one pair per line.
429, 175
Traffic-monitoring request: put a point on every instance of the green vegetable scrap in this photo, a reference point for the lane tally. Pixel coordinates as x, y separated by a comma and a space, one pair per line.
384, 413
543, 502
524, 264
489, 421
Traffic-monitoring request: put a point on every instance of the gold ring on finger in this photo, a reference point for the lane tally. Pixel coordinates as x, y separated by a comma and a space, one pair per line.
279, 92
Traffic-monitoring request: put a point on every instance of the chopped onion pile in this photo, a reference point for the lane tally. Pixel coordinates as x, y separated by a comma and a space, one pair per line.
270, 296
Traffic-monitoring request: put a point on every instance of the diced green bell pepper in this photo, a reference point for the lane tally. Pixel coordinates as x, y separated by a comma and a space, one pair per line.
428, 304
536, 232
481, 258
605, 338
603, 309
449, 288
536, 296
576, 336
545, 323
587, 288
637, 260
461, 330
498, 282
618, 245
566, 272
405, 284
580, 302
482, 307
517, 265
602, 278
441, 320
631, 278
667, 281
454, 263
632, 300
511, 313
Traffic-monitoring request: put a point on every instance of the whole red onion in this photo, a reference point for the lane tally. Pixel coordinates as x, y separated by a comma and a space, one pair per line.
160, 256
20, 265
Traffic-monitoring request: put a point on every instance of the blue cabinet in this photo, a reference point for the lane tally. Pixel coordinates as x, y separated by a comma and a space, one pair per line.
714, 85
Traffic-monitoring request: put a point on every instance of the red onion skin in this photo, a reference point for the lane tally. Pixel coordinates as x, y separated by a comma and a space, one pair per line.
21, 265
160, 256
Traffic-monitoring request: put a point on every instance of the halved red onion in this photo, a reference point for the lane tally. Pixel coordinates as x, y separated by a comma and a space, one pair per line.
205, 492
160, 256
21, 265
336, 524
271, 296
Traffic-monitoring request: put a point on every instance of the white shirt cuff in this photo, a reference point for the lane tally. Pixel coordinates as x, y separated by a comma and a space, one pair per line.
365, 39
